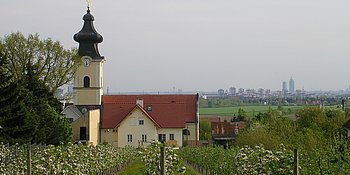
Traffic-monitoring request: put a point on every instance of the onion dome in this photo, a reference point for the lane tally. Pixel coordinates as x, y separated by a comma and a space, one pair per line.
88, 38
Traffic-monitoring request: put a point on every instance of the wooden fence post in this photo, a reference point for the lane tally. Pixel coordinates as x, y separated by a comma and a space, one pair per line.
162, 160
296, 171
339, 163
29, 159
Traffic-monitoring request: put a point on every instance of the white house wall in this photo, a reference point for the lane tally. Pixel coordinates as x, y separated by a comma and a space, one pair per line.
130, 126
177, 134
192, 127
109, 136
94, 126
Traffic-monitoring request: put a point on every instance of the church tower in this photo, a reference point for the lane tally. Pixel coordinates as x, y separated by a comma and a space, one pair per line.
88, 77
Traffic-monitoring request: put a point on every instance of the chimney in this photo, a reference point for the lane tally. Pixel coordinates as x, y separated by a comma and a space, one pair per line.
139, 102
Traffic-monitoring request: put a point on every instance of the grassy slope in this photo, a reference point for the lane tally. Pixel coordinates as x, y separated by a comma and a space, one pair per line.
136, 168
230, 111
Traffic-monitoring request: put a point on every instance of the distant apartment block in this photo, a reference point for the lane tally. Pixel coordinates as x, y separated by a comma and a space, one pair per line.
232, 91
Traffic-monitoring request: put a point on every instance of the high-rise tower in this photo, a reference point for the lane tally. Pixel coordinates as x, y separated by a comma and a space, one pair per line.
88, 77
291, 85
284, 86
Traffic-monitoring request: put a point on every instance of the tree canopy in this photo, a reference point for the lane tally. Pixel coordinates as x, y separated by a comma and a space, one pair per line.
29, 112
314, 128
51, 62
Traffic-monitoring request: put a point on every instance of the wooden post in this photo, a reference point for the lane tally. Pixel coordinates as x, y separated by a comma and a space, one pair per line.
29, 159
16, 150
162, 160
296, 172
339, 163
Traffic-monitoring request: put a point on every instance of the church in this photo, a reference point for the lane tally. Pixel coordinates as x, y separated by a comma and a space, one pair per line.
124, 120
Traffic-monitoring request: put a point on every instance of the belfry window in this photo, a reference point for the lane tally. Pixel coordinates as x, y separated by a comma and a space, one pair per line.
86, 82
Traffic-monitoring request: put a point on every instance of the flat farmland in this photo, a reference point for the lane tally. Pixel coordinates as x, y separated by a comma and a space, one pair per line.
250, 110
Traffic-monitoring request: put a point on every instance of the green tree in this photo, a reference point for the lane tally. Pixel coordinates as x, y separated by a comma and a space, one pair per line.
18, 120
204, 130
326, 122
15, 115
54, 64
52, 129
242, 115
27, 116
311, 117
257, 135
28, 109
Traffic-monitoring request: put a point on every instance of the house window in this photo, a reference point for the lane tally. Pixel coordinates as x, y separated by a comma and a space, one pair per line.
144, 138
86, 82
141, 122
171, 137
83, 134
186, 132
129, 138
161, 137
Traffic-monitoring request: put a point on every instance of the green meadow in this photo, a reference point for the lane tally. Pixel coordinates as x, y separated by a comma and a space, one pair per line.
250, 110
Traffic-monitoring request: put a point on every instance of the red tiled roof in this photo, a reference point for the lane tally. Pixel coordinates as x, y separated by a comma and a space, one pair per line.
169, 111
226, 129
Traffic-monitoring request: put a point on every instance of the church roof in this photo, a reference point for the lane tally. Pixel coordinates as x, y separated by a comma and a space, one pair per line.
167, 111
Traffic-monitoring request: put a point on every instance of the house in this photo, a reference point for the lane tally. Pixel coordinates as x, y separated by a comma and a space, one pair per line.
223, 132
123, 120
138, 119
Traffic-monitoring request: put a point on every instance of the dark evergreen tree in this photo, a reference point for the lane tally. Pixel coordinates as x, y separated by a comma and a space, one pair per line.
52, 129
28, 110
17, 117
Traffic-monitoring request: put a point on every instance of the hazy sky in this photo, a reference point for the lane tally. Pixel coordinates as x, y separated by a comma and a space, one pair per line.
155, 45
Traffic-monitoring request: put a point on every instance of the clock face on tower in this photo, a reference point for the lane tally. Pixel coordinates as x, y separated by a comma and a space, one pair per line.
86, 61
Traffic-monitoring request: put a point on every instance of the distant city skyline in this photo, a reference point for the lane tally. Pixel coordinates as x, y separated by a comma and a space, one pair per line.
67, 90
202, 45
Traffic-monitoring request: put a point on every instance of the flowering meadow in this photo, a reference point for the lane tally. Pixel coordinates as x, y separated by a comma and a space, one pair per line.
71, 159
151, 158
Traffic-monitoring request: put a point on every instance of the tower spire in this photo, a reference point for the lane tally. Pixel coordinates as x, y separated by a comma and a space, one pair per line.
88, 37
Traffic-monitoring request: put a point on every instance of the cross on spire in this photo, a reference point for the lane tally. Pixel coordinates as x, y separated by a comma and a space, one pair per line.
88, 3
